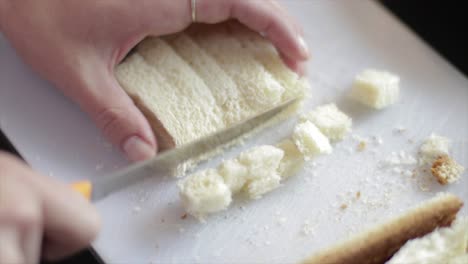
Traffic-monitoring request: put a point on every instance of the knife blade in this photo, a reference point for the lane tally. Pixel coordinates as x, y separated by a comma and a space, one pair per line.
165, 162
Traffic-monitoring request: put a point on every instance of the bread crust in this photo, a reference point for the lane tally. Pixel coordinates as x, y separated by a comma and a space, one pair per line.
378, 244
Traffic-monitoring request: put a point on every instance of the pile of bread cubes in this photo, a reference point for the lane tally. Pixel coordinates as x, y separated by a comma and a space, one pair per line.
261, 169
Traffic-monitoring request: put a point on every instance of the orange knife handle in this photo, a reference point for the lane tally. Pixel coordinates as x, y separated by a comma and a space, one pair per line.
85, 188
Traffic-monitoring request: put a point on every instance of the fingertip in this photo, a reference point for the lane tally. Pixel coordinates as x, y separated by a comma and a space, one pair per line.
303, 48
300, 67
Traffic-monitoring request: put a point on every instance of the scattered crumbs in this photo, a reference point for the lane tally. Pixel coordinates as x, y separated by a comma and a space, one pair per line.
307, 228
282, 221
136, 209
378, 140
184, 216
397, 170
358, 195
407, 173
343, 207
362, 146
400, 130
99, 167
423, 187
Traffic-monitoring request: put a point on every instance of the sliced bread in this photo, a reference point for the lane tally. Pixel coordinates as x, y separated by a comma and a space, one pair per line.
378, 244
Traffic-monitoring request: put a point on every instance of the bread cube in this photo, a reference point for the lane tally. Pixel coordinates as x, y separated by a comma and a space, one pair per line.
204, 192
234, 174
331, 121
292, 161
310, 141
376, 89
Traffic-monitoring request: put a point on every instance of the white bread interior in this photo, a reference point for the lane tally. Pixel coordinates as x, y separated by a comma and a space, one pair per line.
207, 78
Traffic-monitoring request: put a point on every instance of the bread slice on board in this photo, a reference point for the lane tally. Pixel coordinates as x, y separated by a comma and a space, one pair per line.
207, 78
378, 244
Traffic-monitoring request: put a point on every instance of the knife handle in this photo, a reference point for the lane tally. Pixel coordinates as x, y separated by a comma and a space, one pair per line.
84, 188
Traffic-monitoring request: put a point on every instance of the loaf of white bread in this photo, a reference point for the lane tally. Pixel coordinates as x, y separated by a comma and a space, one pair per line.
426, 234
205, 79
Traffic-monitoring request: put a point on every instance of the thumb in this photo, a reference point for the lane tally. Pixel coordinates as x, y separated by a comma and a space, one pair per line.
115, 114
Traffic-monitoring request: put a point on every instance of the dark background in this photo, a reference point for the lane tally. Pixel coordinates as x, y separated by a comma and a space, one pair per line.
440, 23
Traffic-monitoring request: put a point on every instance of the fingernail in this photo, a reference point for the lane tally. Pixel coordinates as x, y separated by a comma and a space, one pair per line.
302, 69
303, 47
137, 150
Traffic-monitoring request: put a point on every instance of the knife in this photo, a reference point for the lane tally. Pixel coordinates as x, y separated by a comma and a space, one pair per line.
165, 162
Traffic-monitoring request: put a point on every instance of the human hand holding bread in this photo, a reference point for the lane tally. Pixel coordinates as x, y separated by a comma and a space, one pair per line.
77, 44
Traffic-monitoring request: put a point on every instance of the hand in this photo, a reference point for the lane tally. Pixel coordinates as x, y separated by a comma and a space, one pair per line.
37, 213
77, 44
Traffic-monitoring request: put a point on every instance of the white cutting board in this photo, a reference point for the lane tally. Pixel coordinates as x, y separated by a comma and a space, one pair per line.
302, 216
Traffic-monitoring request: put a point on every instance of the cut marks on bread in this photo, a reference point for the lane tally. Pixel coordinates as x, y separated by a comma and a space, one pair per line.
202, 80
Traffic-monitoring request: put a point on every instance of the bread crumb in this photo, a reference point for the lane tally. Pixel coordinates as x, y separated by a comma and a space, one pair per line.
446, 170
375, 88
400, 130
343, 207
358, 195
423, 187
433, 147
407, 173
307, 228
377, 140
362, 146
184, 216
136, 209
282, 221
